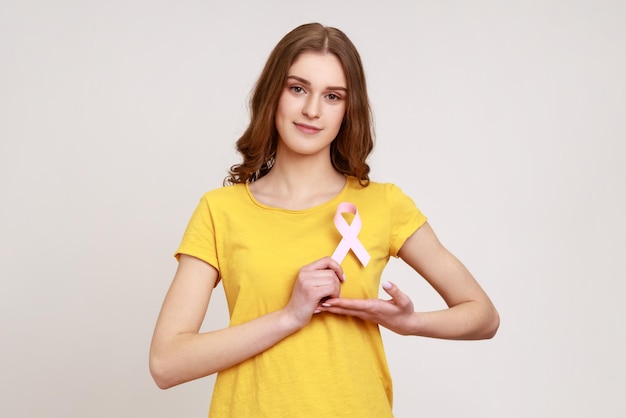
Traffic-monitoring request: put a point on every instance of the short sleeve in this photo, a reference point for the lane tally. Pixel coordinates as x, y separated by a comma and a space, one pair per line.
199, 237
406, 218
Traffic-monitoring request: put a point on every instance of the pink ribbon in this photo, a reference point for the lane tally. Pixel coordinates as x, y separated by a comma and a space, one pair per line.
349, 233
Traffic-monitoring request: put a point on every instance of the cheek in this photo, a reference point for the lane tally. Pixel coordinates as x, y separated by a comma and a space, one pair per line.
339, 117
284, 107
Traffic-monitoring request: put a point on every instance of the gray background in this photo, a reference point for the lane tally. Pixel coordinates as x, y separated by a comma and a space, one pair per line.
505, 121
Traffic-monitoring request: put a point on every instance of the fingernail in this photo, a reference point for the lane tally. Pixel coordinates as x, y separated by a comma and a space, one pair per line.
344, 277
326, 305
316, 311
386, 285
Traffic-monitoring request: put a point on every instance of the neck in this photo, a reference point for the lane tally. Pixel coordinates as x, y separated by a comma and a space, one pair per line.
302, 179
299, 183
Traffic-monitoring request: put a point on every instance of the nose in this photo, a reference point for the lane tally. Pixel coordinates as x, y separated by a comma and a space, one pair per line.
311, 108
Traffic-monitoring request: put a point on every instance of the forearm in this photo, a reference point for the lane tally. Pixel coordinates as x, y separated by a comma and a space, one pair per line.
472, 320
187, 356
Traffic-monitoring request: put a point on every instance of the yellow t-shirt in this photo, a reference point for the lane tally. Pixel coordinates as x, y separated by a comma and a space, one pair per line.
336, 365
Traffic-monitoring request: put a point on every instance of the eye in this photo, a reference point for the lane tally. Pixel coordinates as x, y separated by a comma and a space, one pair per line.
333, 97
297, 89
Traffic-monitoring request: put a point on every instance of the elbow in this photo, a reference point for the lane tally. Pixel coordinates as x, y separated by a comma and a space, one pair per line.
484, 325
161, 373
491, 324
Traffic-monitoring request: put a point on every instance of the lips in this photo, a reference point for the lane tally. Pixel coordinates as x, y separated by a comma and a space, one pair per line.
307, 129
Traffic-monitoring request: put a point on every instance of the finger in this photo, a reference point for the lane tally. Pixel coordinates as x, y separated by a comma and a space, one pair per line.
326, 263
336, 267
356, 305
367, 311
320, 284
391, 289
398, 296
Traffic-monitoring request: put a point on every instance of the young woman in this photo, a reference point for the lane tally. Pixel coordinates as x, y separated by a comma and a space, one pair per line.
299, 239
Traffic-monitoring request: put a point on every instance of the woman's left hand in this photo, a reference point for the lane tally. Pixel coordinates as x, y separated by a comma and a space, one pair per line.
396, 314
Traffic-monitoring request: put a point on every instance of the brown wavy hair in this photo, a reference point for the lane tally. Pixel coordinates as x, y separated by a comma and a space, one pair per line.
355, 139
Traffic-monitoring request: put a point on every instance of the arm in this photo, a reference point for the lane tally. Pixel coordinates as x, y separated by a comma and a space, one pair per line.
470, 314
179, 353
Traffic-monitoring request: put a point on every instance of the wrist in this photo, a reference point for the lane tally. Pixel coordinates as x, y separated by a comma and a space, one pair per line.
289, 322
416, 325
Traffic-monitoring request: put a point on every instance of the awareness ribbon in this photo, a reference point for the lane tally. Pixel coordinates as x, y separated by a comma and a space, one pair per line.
349, 240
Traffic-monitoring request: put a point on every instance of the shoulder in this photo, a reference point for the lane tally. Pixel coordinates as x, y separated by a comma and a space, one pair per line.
384, 196
222, 201
385, 190
219, 204
225, 194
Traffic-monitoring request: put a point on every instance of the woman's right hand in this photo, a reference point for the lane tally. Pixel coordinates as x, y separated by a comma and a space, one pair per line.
317, 281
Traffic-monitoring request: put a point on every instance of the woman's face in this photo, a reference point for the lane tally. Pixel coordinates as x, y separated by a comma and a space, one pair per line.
312, 105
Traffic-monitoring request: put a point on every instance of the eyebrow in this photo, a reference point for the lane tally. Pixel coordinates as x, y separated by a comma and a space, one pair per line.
308, 83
